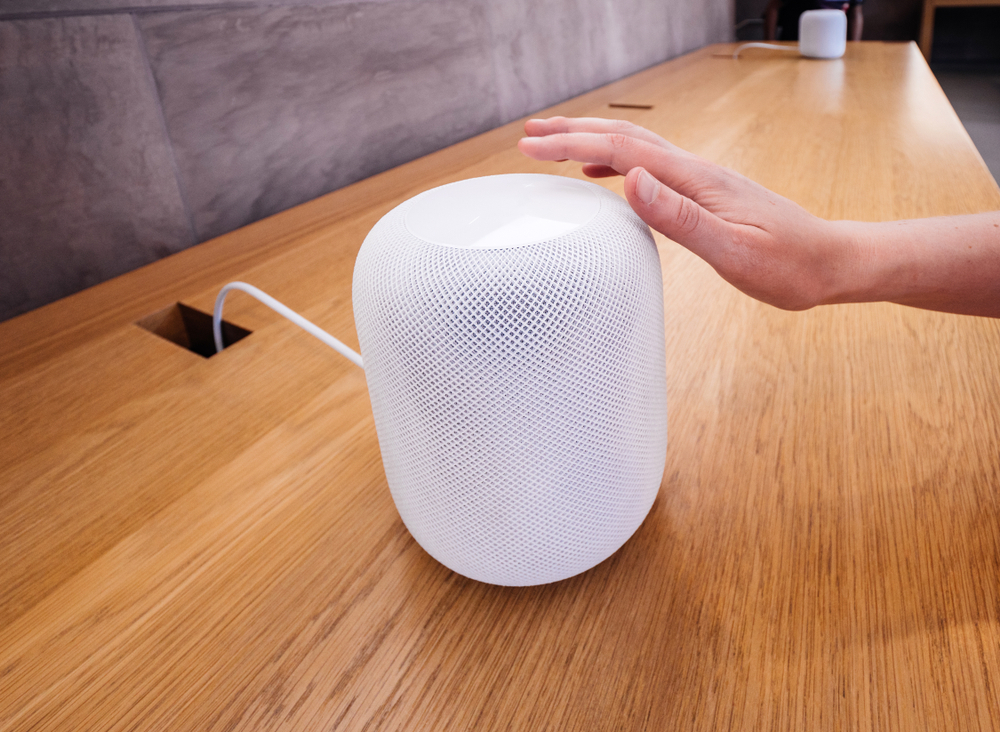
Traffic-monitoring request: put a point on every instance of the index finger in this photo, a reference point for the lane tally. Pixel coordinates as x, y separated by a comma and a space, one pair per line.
561, 125
671, 165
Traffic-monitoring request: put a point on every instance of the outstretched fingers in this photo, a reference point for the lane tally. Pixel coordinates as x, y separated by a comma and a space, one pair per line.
675, 192
597, 125
604, 154
611, 151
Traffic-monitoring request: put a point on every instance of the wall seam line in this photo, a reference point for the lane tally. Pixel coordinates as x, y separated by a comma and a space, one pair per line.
151, 80
132, 10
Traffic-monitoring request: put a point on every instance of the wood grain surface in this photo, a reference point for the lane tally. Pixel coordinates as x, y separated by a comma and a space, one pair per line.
210, 544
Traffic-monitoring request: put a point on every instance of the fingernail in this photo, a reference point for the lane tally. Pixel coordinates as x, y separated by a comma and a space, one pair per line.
647, 188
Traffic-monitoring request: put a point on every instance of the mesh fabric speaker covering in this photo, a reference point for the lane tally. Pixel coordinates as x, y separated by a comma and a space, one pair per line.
519, 394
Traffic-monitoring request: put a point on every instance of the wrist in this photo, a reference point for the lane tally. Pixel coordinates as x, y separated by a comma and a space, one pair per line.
855, 271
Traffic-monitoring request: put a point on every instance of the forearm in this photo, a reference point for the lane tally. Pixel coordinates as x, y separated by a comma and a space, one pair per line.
950, 264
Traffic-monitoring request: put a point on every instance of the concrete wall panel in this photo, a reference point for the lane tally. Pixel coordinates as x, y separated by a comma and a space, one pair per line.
549, 50
270, 107
87, 183
135, 128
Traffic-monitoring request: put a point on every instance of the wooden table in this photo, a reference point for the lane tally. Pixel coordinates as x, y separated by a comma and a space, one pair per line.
209, 544
927, 23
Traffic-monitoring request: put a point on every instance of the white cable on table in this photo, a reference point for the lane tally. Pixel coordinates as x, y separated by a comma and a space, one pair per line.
775, 46
284, 310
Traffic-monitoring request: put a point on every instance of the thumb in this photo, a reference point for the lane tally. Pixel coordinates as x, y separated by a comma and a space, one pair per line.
675, 216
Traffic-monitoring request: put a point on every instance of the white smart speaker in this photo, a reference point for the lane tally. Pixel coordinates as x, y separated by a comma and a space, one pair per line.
823, 33
513, 342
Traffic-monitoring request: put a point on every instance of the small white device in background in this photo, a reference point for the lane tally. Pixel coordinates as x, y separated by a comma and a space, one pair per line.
822, 34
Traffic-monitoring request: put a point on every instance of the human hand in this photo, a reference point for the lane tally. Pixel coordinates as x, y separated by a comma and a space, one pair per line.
767, 246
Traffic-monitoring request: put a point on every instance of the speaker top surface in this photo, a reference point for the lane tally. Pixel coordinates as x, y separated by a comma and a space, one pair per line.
502, 211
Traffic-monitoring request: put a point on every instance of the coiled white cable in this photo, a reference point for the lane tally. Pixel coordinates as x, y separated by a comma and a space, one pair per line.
348, 353
775, 46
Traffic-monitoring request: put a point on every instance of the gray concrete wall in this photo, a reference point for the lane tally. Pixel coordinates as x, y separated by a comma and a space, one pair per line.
131, 129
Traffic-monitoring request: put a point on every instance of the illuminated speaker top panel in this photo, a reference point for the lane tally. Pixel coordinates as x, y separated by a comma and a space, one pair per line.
503, 211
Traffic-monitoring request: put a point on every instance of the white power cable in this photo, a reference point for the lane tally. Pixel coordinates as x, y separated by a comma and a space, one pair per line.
348, 353
775, 46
